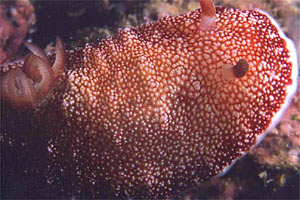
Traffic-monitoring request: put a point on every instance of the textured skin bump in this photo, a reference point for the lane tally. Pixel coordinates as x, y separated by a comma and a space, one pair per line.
144, 113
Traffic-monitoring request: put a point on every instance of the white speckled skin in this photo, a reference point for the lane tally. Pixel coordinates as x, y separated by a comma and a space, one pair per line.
145, 114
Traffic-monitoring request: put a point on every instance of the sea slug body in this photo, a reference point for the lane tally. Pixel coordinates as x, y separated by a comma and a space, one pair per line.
159, 108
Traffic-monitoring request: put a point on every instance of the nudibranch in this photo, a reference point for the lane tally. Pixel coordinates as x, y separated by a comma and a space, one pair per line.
159, 108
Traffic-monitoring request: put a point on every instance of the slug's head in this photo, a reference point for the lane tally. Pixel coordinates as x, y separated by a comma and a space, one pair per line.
252, 63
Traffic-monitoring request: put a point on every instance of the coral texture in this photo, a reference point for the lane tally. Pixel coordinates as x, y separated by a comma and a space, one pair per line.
16, 17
